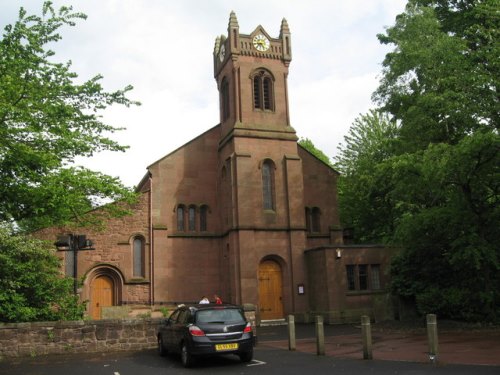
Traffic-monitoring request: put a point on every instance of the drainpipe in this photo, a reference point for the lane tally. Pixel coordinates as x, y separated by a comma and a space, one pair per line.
151, 245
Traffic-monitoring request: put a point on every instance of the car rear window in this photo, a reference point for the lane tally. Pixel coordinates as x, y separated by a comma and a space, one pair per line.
219, 316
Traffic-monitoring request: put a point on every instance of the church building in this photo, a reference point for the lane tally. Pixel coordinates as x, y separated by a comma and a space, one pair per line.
241, 211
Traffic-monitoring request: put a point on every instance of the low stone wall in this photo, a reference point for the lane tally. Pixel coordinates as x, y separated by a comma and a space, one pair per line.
107, 335
33, 339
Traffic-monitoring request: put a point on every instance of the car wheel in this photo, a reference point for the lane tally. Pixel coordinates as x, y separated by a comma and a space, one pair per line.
246, 356
186, 357
161, 348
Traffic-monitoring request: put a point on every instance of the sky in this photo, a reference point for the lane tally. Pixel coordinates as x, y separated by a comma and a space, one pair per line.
164, 50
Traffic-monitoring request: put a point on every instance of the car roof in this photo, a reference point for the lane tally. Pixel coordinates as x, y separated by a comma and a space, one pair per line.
210, 306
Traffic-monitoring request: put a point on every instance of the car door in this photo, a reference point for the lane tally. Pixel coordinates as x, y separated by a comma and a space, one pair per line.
168, 332
179, 328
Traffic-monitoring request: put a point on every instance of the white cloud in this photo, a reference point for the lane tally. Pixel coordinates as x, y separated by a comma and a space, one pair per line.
164, 49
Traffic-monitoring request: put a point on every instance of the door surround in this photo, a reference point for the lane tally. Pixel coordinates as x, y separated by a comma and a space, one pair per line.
116, 280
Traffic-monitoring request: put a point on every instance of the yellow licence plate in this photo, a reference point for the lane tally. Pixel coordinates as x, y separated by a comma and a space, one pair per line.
222, 347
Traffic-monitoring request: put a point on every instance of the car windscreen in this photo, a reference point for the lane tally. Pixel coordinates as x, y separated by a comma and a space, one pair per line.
219, 316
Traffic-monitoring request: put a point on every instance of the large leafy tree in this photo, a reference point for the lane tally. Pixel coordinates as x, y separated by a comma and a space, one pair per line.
440, 185
365, 204
46, 120
31, 285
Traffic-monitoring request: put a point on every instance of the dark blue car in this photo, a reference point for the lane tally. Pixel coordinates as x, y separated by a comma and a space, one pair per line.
204, 330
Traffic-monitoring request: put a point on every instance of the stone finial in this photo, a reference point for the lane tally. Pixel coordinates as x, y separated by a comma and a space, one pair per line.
217, 45
233, 21
285, 37
284, 27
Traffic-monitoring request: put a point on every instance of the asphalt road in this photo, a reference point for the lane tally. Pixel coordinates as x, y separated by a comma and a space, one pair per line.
267, 360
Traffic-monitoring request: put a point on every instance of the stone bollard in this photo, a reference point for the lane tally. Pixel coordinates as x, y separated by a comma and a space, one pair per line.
432, 337
366, 333
320, 336
291, 332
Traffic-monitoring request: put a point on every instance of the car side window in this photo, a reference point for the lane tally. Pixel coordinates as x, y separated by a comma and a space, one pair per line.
175, 315
183, 316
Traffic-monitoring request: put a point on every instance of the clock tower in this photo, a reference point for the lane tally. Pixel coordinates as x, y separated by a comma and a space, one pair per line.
261, 185
251, 71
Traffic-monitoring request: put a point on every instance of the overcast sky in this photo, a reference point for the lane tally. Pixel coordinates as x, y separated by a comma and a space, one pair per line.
164, 49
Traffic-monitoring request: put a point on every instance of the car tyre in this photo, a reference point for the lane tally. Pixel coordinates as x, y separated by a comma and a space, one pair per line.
161, 348
246, 356
186, 357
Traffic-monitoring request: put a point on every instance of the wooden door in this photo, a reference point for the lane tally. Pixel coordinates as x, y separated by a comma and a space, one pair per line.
270, 291
101, 296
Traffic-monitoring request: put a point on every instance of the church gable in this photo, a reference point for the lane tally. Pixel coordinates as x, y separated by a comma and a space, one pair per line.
187, 177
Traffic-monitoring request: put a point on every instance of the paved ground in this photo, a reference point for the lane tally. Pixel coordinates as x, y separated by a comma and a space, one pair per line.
457, 345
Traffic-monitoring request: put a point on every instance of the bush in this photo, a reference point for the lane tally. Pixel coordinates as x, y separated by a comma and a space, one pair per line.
32, 287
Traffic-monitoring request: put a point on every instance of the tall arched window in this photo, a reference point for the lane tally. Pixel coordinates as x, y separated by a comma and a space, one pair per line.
180, 217
308, 219
138, 255
263, 93
313, 219
268, 185
192, 218
316, 222
203, 218
225, 99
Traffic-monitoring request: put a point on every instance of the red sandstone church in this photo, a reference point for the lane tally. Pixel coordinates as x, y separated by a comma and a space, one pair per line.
241, 211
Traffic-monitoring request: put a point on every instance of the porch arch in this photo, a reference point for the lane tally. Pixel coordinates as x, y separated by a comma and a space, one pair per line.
105, 289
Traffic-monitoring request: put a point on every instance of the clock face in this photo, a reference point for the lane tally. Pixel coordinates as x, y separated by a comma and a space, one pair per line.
222, 53
261, 43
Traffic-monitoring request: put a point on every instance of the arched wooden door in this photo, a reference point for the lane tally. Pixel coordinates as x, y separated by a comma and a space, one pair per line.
270, 290
101, 296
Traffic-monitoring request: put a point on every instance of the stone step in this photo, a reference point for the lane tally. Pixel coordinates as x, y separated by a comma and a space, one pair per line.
273, 322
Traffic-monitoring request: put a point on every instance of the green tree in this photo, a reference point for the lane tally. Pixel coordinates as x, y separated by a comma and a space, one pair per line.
441, 81
46, 120
309, 146
32, 287
365, 204
433, 186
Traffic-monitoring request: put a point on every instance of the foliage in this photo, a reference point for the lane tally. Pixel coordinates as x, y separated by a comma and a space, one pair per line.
31, 285
431, 184
309, 146
364, 183
46, 120
442, 78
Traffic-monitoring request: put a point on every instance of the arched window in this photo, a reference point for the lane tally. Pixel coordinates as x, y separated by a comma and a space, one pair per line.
192, 218
225, 99
180, 217
268, 185
316, 222
263, 93
203, 218
308, 219
138, 255
313, 219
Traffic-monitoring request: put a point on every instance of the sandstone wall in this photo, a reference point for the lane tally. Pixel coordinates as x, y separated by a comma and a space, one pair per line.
40, 338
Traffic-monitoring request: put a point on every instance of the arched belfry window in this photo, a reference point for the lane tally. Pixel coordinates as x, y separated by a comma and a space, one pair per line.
138, 256
263, 90
268, 185
225, 99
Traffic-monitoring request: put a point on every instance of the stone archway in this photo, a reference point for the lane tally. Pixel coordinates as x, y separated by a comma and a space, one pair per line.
270, 290
105, 290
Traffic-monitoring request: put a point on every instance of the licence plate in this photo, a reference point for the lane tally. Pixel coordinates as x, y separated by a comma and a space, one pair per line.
222, 347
